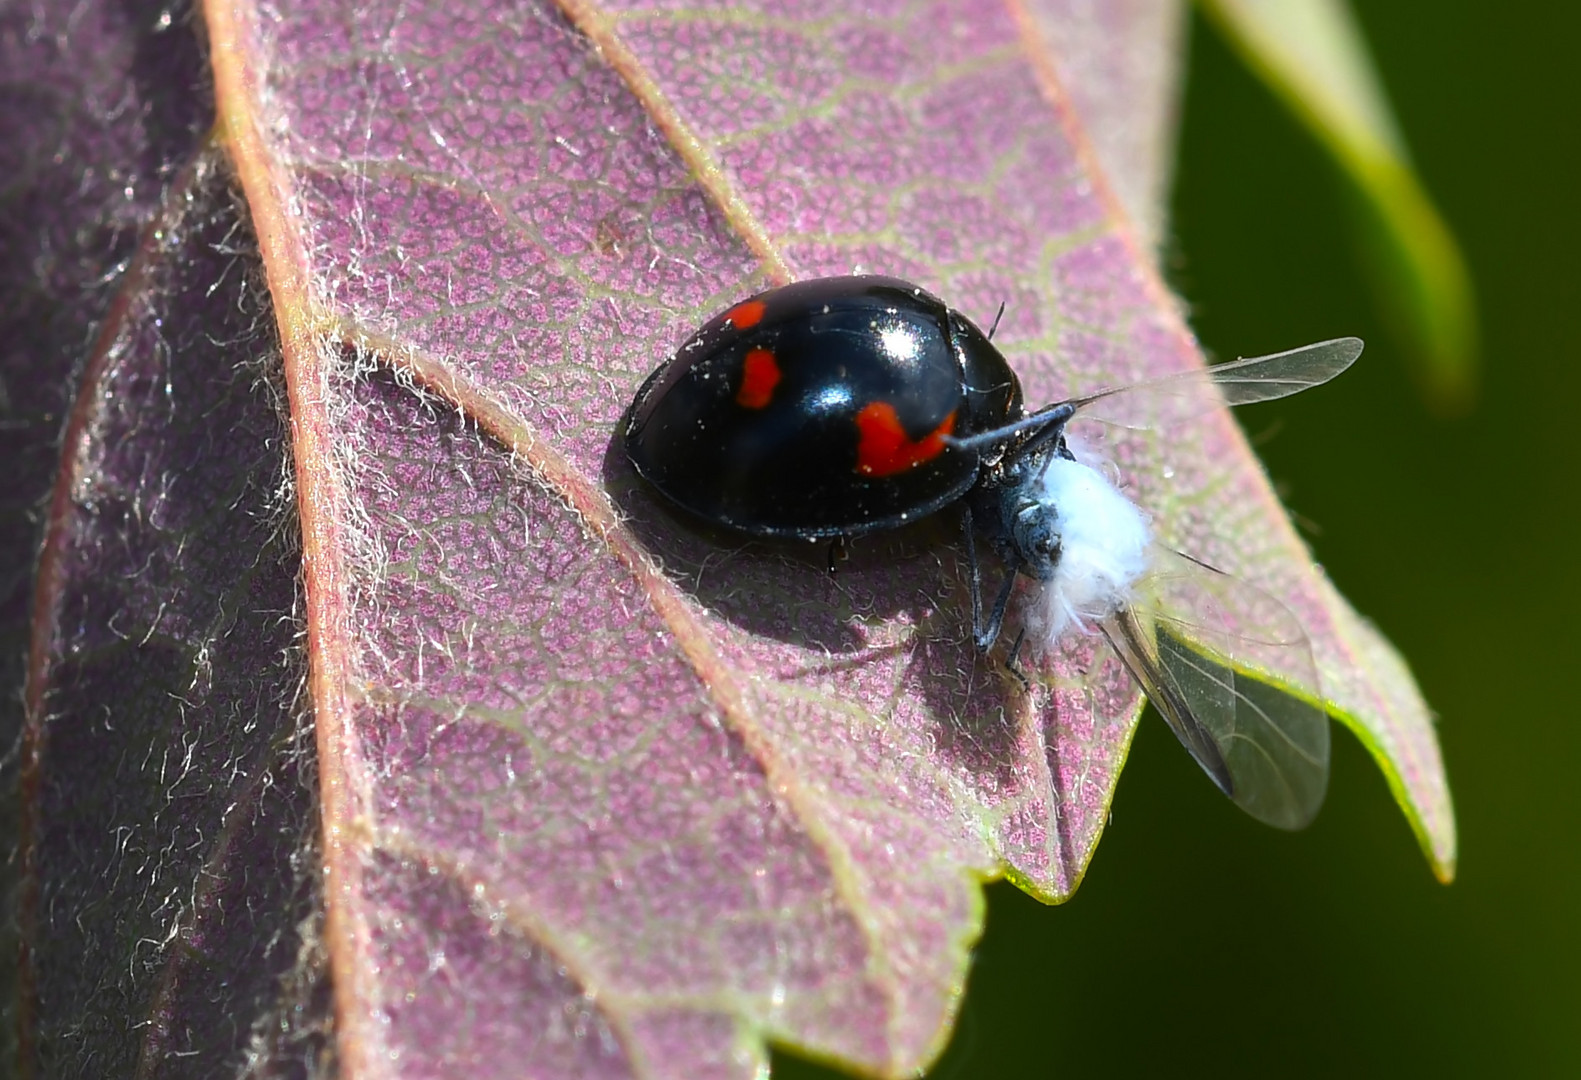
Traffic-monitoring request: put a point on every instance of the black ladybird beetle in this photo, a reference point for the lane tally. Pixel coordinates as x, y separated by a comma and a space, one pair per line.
841, 406
821, 410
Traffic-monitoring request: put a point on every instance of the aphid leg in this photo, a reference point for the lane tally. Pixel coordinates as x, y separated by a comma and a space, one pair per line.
976, 570
996, 620
1045, 424
1015, 668
837, 554
1057, 418
985, 636
997, 317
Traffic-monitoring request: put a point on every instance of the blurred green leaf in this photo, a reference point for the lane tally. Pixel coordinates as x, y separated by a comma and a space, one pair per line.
1311, 53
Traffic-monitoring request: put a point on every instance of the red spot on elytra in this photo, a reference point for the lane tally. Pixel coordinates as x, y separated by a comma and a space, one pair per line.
760, 374
746, 314
886, 449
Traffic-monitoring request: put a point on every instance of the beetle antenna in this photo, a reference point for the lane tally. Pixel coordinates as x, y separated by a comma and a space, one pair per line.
997, 317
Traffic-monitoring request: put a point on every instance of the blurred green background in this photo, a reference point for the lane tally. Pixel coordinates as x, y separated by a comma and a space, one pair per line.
1200, 940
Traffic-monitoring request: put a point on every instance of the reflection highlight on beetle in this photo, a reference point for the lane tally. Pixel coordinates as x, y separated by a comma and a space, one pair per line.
889, 406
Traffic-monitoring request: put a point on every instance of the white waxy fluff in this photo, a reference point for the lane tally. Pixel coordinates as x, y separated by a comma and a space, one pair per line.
1104, 544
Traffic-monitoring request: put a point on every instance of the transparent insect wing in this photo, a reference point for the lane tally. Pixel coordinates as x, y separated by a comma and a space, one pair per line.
1196, 640
1173, 399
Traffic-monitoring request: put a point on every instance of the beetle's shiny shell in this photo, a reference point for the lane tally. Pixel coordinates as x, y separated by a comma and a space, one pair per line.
819, 409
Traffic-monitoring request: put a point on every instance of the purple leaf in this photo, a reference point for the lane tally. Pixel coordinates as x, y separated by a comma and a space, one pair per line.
599, 795
168, 816
161, 825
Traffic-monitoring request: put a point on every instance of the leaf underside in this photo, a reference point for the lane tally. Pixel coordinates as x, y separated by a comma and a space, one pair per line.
174, 833
601, 792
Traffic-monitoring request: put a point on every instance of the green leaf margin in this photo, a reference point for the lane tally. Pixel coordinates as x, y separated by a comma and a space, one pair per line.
1312, 55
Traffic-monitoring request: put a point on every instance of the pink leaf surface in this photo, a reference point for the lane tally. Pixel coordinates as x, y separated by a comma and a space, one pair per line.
1119, 63
600, 794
